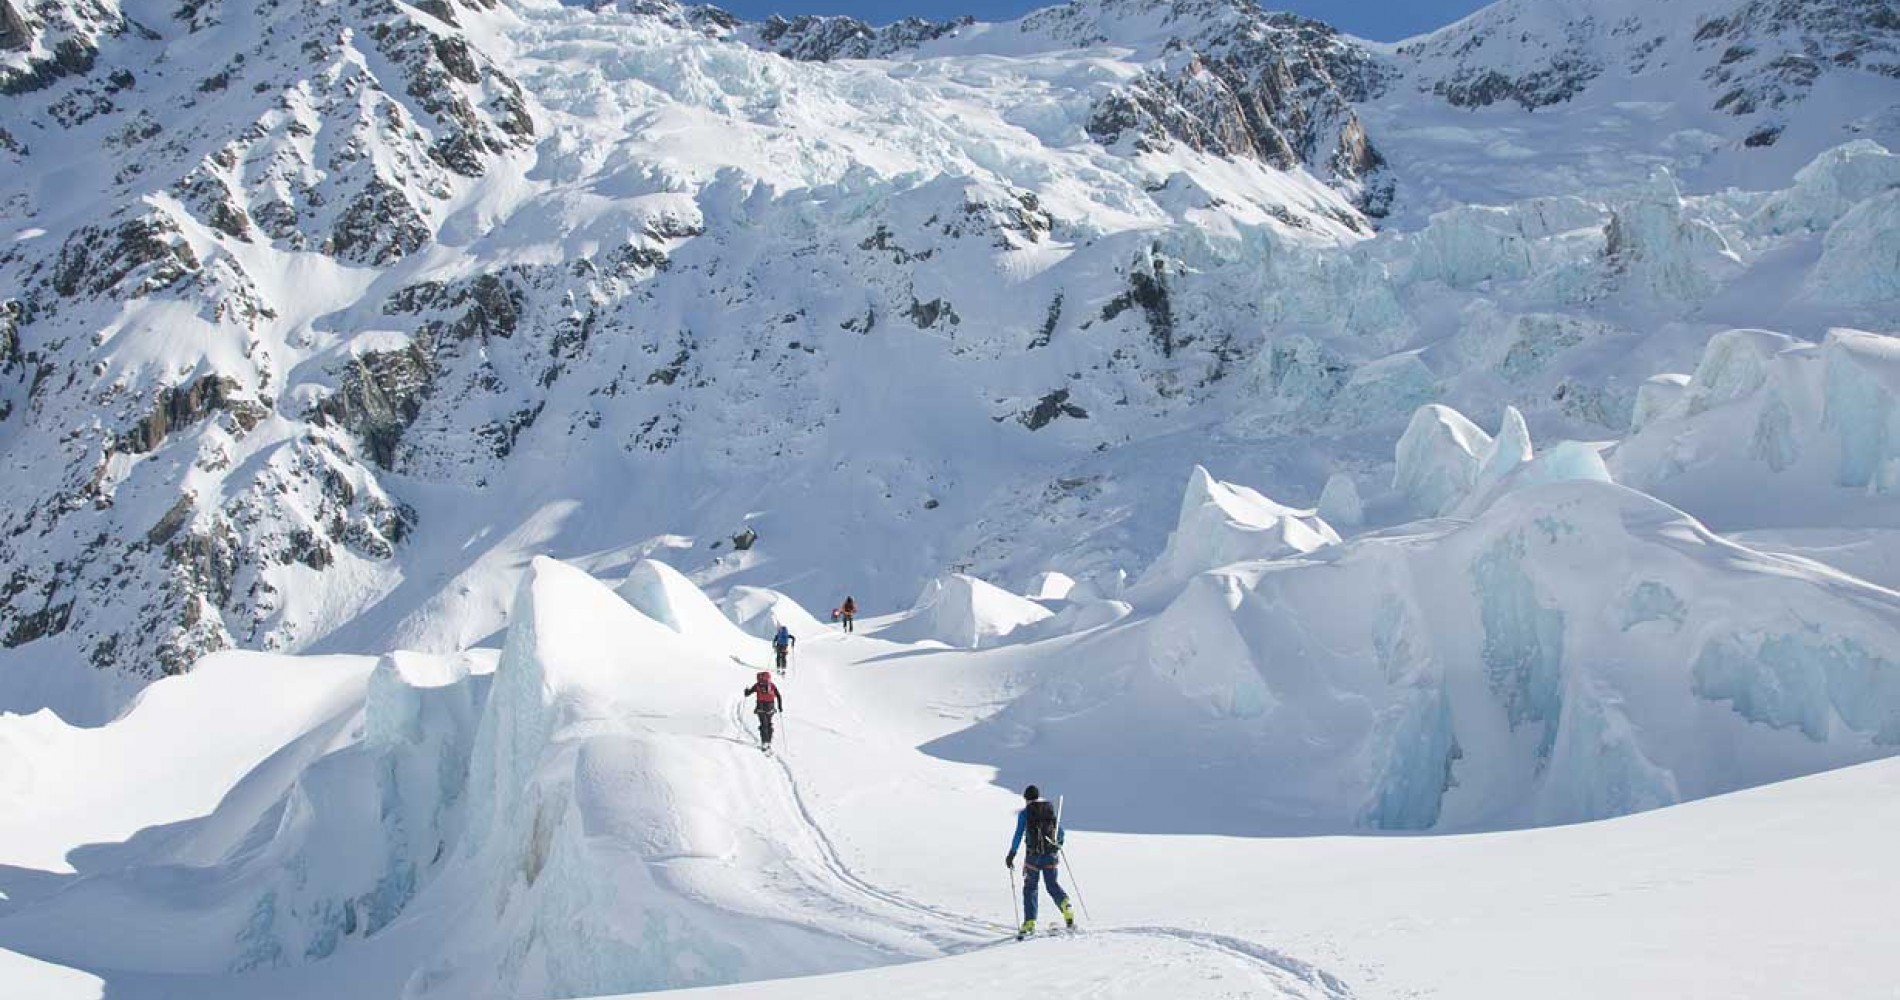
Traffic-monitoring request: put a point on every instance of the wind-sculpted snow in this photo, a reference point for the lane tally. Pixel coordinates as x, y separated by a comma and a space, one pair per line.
760, 612
964, 612
1799, 421
662, 594
349, 317
1222, 523
557, 827
1577, 651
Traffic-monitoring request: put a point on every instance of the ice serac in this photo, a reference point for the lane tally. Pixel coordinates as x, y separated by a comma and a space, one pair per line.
1815, 417
1051, 585
1438, 459
597, 808
759, 612
665, 595
1831, 186
1860, 257
1578, 651
1510, 450
1222, 523
1863, 408
1656, 249
1339, 502
964, 612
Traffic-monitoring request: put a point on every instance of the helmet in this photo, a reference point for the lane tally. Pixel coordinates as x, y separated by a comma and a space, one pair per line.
765, 676
1032, 793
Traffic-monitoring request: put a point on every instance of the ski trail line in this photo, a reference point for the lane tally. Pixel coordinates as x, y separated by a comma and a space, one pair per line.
949, 931
965, 926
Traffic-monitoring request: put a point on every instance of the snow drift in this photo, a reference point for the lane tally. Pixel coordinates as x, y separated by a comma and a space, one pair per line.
964, 612
555, 828
1578, 651
1222, 523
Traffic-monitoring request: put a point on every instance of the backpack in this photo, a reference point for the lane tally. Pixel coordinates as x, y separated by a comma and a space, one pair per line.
1040, 832
767, 691
850, 606
782, 639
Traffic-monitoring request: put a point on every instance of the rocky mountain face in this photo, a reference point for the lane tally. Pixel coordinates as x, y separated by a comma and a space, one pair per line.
306, 306
816, 38
1224, 77
144, 341
1756, 60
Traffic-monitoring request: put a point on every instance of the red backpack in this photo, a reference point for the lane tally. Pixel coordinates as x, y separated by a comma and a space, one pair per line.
766, 690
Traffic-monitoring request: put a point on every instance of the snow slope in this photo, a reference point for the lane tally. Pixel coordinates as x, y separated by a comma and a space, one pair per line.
498, 374
591, 818
345, 332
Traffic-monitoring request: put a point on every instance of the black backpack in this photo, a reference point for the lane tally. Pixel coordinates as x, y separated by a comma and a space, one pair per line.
1041, 829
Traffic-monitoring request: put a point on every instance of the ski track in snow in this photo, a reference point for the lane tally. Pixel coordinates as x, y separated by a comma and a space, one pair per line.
960, 933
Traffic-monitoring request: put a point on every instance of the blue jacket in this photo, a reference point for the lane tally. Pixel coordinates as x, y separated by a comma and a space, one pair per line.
783, 639
1022, 828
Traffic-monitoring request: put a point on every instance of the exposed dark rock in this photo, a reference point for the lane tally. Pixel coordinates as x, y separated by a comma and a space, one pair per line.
48, 621
1049, 323
1147, 288
380, 395
15, 35
71, 57
94, 261
174, 520
494, 309
182, 407
745, 539
380, 226
821, 38
1055, 404
927, 314
12, 359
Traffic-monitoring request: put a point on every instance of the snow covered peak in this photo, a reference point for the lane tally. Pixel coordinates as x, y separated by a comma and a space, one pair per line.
1755, 59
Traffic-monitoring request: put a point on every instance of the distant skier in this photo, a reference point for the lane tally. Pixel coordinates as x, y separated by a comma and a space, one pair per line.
782, 642
848, 611
770, 702
1037, 824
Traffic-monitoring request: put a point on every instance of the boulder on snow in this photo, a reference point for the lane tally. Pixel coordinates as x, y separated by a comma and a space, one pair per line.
1220, 524
964, 612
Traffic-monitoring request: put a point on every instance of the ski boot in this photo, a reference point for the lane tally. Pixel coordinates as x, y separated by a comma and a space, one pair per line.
1028, 928
1068, 913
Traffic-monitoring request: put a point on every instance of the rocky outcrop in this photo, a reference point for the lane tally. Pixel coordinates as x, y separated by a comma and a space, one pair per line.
815, 38
182, 406
380, 225
137, 257
1757, 56
379, 396
1233, 80
65, 33
15, 34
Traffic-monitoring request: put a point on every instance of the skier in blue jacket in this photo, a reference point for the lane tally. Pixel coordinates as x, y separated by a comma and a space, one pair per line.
782, 642
1038, 824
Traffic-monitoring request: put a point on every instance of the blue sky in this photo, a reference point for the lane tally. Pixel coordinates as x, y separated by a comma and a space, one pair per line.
1384, 20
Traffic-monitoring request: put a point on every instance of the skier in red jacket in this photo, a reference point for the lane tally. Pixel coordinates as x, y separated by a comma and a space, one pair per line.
770, 703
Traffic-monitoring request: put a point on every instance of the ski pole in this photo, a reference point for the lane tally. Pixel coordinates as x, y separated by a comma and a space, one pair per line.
1074, 879
1014, 907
